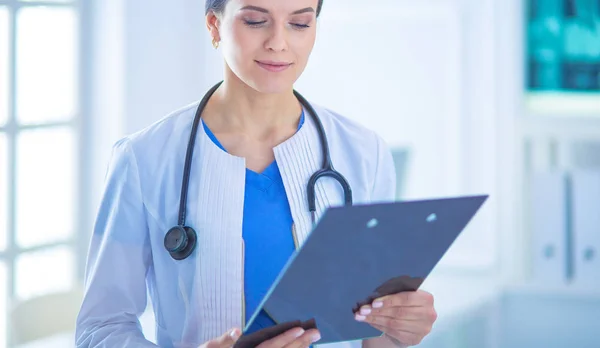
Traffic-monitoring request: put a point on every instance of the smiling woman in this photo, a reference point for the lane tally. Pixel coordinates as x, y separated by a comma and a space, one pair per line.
250, 155
258, 39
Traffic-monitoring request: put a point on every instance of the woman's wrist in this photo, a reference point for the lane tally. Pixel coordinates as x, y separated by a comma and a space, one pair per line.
384, 341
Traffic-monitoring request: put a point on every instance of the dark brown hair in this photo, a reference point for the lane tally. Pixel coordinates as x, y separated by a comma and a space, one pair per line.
218, 6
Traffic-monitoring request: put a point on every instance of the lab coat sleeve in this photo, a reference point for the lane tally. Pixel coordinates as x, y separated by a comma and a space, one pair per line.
384, 184
118, 259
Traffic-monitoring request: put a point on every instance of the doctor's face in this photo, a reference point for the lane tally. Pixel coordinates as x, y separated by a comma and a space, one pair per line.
266, 43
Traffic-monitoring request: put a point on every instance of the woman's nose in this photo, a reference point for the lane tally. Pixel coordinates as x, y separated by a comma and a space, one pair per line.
277, 40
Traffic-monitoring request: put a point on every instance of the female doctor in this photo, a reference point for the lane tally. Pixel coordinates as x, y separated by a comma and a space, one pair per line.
202, 209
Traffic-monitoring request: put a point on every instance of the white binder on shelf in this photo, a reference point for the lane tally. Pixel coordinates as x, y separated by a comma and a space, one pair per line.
549, 222
586, 228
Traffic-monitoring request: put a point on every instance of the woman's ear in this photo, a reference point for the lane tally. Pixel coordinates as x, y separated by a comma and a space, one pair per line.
212, 24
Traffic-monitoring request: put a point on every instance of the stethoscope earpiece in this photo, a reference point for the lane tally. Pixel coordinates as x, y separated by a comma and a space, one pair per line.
180, 242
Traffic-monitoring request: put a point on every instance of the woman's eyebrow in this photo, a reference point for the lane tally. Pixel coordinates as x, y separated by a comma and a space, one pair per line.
264, 10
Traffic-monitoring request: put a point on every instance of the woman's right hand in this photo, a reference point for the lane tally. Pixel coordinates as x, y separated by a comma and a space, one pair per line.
293, 338
227, 340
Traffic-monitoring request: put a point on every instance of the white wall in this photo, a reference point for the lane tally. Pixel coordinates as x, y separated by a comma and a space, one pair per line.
412, 73
165, 44
148, 60
105, 122
509, 43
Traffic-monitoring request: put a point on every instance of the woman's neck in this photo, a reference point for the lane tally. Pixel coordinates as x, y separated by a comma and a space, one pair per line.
237, 107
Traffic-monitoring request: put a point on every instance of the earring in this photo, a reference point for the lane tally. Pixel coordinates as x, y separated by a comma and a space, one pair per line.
215, 43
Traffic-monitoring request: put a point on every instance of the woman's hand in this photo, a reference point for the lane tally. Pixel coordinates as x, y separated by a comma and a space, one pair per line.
294, 338
406, 317
226, 341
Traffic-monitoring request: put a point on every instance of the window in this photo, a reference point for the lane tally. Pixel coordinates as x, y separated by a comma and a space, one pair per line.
3, 301
4, 65
40, 114
4, 191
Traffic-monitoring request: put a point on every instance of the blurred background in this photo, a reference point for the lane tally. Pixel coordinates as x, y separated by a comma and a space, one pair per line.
474, 96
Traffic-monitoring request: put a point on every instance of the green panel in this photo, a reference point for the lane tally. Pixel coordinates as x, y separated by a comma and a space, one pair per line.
563, 45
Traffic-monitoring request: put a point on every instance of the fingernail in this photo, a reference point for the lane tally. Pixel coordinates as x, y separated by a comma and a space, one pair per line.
299, 333
377, 304
316, 337
359, 317
365, 311
235, 334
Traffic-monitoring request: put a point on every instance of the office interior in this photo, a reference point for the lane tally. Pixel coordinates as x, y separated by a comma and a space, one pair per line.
498, 97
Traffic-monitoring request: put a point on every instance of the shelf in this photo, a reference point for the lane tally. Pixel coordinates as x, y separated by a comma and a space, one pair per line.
563, 104
580, 292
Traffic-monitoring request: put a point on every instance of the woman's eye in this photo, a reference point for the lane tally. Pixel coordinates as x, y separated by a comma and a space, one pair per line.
301, 26
254, 23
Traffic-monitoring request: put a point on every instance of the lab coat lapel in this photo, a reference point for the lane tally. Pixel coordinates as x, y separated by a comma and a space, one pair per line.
298, 158
216, 304
216, 300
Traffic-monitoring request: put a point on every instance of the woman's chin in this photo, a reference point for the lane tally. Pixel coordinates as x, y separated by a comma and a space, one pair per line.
272, 84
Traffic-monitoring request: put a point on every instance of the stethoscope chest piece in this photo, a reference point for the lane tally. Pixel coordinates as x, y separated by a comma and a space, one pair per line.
180, 242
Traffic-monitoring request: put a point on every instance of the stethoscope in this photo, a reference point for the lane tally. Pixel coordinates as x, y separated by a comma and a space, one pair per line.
180, 240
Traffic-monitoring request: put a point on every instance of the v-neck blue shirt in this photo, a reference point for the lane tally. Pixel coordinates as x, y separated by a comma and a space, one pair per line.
267, 234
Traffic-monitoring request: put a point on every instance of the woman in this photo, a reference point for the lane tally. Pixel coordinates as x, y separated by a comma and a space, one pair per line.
254, 151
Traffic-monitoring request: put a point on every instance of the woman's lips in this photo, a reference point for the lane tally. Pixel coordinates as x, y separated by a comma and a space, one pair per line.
273, 66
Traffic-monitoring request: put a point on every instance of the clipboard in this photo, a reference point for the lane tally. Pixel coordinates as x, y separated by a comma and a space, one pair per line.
356, 254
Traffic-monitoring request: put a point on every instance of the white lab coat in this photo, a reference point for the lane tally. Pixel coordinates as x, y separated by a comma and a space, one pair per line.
200, 298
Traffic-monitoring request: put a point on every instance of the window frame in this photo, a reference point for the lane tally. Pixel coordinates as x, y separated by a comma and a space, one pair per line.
79, 124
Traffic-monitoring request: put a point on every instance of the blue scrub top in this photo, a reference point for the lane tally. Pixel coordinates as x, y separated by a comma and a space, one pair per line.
267, 233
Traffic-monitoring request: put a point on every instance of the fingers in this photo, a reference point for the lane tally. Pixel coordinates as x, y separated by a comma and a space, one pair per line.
406, 298
307, 339
283, 339
227, 340
406, 316
404, 313
294, 338
420, 327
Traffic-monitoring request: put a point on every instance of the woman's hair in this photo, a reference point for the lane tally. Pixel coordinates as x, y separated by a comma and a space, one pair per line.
218, 6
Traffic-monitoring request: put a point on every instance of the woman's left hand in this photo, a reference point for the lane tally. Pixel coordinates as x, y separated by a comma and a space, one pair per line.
406, 317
